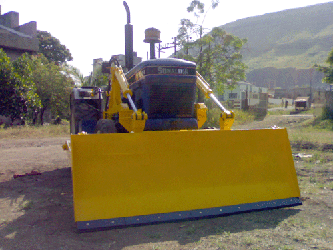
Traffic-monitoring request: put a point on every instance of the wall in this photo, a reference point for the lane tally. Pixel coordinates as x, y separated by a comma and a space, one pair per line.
243, 91
17, 39
279, 101
329, 101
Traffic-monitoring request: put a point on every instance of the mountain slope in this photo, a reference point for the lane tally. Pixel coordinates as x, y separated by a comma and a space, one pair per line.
296, 38
291, 38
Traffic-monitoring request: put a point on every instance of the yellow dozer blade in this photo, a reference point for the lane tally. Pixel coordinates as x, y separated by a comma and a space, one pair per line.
138, 178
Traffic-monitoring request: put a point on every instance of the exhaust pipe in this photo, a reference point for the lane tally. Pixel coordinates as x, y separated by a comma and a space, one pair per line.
128, 40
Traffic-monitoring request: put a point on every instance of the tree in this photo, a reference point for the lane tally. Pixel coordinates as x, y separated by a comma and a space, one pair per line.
219, 60
32, 83
188, 28
328, 78
327, 70
217, 54
222, 60
98, 78
75, 74
198, 8
185, 32
52, 49
53, 86
206, 45
17, 91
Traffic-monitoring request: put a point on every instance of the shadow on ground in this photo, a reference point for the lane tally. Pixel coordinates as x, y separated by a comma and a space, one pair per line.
39, 215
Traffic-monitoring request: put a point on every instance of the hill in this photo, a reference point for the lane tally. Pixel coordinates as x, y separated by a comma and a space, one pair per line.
286, 42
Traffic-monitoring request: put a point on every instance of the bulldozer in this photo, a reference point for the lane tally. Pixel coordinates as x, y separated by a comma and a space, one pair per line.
140, 155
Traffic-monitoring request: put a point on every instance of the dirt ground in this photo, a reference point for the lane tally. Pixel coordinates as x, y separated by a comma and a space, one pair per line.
36, 212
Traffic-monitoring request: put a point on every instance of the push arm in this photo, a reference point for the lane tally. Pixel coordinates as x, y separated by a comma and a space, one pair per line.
227, 117
127, 93
132, 120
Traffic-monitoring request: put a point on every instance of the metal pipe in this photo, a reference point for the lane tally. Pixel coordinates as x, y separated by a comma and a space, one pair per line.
152, 50
128, 12
131, 102
217, 102
128, 40
129, 46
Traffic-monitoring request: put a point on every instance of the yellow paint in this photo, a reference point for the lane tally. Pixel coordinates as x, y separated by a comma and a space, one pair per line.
201, 113
226, 120
125, 118
130, 120
119, 85
123, 175
115, 102
133, 121
138, 121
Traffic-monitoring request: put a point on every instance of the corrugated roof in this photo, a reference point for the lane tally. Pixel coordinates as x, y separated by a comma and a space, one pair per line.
302, 99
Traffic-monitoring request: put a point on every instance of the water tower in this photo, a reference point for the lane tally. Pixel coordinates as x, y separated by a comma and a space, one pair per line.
152, 36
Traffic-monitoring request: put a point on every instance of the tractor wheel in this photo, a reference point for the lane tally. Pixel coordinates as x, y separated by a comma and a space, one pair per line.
105, 126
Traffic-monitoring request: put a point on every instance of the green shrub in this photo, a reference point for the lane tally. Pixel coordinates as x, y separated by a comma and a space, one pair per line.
327, 113
241, 117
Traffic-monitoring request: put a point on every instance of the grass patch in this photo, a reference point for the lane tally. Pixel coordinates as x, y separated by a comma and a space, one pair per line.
35, 131
316, 131
318, 122
221, 231
191, 230
154, 236
271, 105
248, 241
26, 205
279, 112
241, 117
283, 111
310, 134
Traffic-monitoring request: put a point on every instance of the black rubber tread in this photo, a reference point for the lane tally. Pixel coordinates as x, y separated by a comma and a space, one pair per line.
105, 126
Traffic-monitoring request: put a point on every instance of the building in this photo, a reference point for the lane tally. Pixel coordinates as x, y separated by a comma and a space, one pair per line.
16, 39
282, 93
245, 95
97, 64
121, 59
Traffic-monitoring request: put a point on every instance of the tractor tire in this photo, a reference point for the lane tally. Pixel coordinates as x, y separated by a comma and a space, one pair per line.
105, 126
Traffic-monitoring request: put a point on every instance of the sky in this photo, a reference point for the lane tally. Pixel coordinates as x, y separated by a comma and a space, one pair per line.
96, 29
